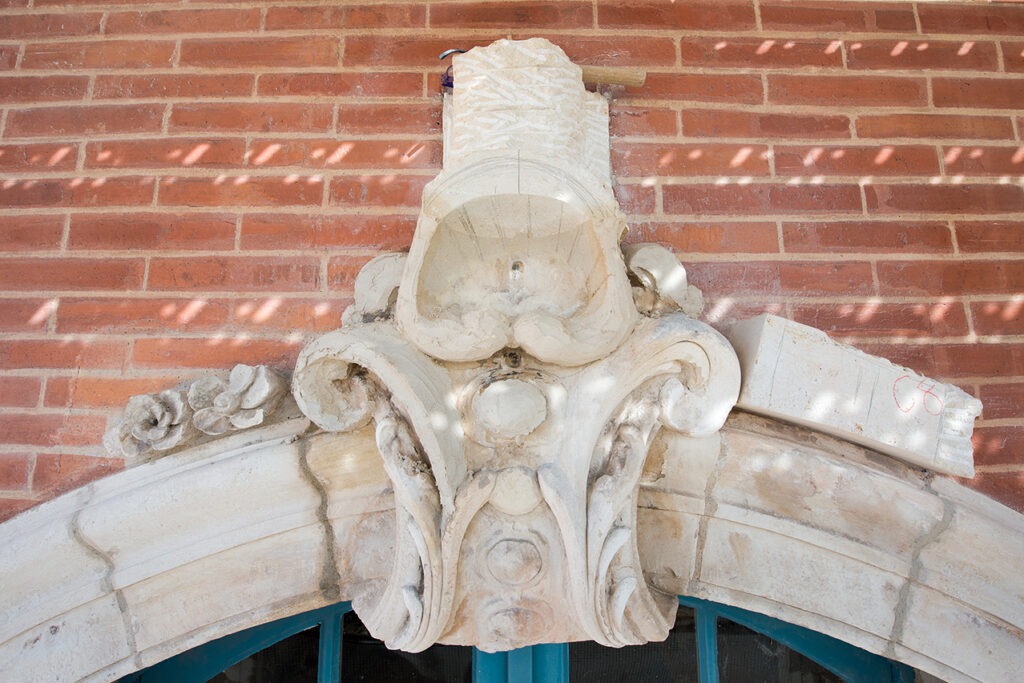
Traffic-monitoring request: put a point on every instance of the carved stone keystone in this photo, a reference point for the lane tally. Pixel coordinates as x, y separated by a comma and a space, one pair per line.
518, 388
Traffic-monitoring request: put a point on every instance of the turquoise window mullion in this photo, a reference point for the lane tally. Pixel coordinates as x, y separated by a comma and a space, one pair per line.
707, 644
329, 657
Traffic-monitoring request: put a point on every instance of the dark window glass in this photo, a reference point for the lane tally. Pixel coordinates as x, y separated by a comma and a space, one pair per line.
746, 656
671, 661
293, 659
364, 658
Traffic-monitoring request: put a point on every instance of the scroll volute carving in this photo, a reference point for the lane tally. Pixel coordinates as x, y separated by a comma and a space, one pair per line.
516, 371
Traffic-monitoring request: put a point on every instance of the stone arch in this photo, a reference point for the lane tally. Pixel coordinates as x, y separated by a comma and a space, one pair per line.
159, 558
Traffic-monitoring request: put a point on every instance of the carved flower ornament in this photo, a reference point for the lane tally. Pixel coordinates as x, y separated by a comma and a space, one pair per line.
244, 401
156, 422
211, 405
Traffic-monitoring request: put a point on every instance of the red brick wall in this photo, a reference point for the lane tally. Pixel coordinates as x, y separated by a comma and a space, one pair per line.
183, 188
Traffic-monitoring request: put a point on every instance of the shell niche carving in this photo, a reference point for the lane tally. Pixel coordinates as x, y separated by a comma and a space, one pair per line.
516, 367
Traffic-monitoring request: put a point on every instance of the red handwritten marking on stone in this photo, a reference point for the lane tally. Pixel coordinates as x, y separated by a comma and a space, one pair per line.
930, 400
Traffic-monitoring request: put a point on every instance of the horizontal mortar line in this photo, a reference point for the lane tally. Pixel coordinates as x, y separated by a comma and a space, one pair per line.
340, 210
1000, 422
840, 300
233, 172
214, 336
147, 294
95, 451
999, 469
731, 178
986, 342
826, 257
169, 252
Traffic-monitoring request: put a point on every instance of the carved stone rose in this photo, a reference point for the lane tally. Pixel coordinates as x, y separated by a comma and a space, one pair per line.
156, 422
245, 400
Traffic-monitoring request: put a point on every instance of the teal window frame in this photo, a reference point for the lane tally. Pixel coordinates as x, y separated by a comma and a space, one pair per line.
535, 664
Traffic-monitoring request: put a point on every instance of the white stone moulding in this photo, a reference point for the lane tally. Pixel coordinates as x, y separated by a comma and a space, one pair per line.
523, 434
161, 557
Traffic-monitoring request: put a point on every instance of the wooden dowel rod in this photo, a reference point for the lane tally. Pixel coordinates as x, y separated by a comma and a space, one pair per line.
613, 75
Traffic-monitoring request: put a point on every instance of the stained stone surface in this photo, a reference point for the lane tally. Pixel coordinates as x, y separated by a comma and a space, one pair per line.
796, 373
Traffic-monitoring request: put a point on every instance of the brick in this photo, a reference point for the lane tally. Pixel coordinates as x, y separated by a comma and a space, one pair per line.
263, 117
699, 16
8, 56
704, 123
944, 278
68, 354
22, 26
342, 271
984, 160
998, 445
375, 190
1013, 56
975, 359
42, 274
335, 153
25, 315
10, 507
847, 91
390, 50
166, 153
38, 157
708, 238
342, 84
107, 54
526, 14
669, 159
167, 86
995, 93
635, 199
120, 191
318, 231
84, 120
242, 191
82, 391
998, 317
30, 233
761, 199
898, 160
391, 119
15, 470
947, 126
922, 54
801, 278
761, 53
183, 21
867, 237
836, 16
289, 315
1004, 487
956, 199
734, 88
99, 315
1001, 401
646, 121
152, 231
982, 236
235, 273
57, 473
242, 52
19, 392
390, 15
987, 19
42, 88
219, 353
885, 320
